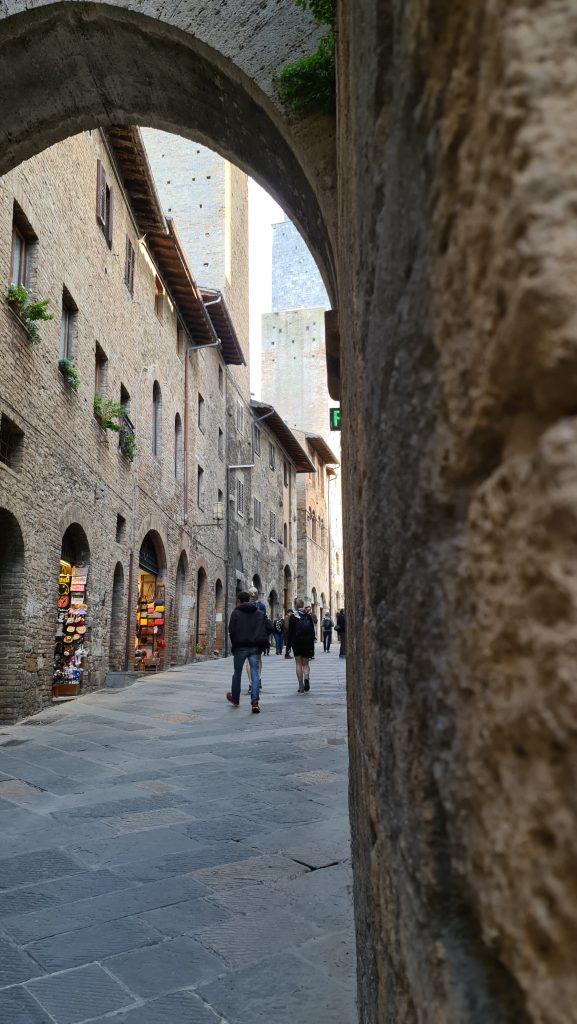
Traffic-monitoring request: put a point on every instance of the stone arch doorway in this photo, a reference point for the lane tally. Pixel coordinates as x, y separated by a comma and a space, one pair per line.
179, 652
201, 611
220, 624
257, 582
152, 610
288, 589
12, 590
117, 645
71, 642
123, 66
273, 605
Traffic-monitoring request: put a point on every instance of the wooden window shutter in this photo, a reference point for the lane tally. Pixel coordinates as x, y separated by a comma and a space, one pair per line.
110, 197
100, 194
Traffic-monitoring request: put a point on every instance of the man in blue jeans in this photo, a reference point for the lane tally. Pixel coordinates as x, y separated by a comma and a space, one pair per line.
248, 636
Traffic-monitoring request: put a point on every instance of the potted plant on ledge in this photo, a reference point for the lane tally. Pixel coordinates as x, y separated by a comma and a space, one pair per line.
27, 312
70, 373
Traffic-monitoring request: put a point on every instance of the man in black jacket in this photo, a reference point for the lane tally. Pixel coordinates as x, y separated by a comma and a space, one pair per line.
248, 636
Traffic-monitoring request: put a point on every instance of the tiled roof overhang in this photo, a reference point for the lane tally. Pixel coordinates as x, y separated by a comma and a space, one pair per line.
320, 446
223, 326
167, 253
285, 436
132, 163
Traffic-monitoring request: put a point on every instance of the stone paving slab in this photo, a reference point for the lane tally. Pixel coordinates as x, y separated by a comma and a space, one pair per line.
157, 868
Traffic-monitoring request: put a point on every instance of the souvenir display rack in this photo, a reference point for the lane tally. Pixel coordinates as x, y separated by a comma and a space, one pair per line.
70, 648
150, 624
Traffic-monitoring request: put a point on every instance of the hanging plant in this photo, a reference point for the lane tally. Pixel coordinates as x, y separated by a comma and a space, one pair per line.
309, 84
28, 312
70, 373
128, 444
109, 414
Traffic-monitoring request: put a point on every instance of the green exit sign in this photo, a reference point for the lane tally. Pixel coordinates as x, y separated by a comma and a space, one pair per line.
335, 419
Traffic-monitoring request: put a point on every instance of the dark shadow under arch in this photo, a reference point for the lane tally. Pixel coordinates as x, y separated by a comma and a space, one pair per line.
11, 632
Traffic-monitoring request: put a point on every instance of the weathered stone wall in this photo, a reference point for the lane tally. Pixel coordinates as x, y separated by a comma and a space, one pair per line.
458, 157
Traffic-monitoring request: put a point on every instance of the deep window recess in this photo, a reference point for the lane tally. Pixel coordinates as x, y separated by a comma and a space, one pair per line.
67, 326
129, 258
272, 525
178, 448
100, 368
11, 443
200, 412
286, 473
220, 379
23, 243
200, 488
220, 443
271, 455
257, 514
256, 439
285, 535
125, 400
120, 528
104, 203
240, 497
156, 410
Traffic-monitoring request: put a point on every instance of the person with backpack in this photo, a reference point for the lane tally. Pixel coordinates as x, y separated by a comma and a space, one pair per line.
278, 625
327, 628
248, 631
301, 637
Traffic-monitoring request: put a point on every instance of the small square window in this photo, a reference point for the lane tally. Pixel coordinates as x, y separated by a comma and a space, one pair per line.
11, 443
120, 528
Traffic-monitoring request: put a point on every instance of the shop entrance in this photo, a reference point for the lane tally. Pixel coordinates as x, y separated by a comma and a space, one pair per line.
150, 641
201, 611
71, 662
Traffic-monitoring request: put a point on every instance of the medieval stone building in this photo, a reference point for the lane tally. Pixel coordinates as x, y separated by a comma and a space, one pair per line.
126, 530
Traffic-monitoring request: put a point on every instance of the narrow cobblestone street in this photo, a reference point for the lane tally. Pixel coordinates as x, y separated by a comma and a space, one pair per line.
168, 858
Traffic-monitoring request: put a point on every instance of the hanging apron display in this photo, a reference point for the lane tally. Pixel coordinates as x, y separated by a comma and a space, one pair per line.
70, 649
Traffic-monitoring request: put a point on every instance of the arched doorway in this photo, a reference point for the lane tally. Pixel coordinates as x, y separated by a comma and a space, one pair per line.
117, 647
273, 604
201, 611
179, 653
288, 589
11, 589
256, 582
151, 617
219, 617
71, 666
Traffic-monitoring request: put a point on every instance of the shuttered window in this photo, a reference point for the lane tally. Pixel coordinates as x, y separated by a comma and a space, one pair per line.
257, 514
129, 259
272, 524
104, 203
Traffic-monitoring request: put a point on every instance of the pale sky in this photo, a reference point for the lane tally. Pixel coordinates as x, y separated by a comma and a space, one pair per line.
263, 211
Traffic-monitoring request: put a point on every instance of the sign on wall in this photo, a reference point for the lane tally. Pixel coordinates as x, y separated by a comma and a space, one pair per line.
335, 418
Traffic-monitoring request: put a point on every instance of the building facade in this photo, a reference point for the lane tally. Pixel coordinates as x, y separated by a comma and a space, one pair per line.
117, 426
294, 377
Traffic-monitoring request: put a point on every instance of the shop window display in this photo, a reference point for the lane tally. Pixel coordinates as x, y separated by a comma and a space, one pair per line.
70, 650
150, 613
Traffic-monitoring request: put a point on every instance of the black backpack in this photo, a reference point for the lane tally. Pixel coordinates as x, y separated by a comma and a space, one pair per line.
327, 622
305, 628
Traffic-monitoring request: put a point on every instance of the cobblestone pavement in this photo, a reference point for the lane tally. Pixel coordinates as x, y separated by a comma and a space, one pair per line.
167, 858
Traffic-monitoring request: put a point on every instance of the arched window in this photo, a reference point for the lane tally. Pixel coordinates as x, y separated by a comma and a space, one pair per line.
156, 408
178, 448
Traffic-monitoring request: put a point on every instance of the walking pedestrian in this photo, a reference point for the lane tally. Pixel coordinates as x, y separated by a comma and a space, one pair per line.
287, 620
278, 634
327, 628
301, 637
253, 595
248, 635
341, 631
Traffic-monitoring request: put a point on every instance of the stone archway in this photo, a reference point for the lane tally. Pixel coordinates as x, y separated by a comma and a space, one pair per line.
214, 83
11, 633
152, 609
117, 645
179, 646
273, 605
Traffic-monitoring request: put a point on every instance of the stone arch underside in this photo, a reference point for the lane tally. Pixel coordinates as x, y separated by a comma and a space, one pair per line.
75, 66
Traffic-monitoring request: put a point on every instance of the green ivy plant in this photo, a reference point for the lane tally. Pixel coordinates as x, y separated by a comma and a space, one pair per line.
199, 648
128, 444
29, 312
70, 373
108, 413
309, 85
